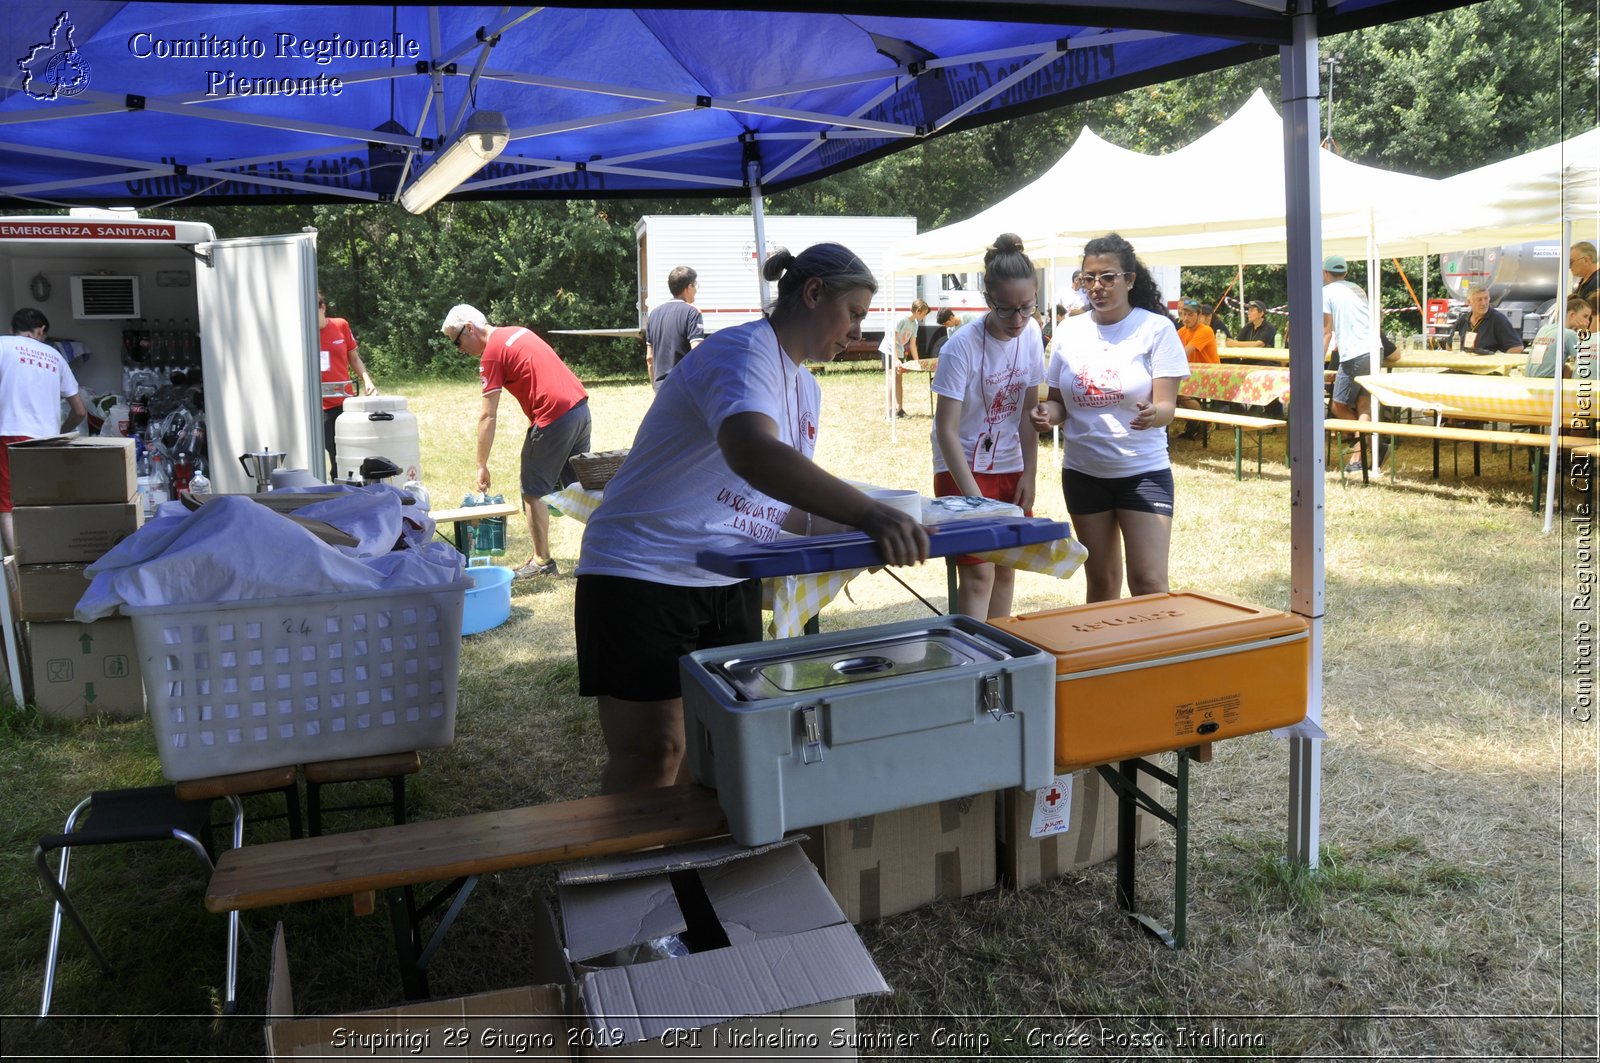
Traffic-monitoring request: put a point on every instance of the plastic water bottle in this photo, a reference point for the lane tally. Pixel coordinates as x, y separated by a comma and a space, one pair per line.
159, 489
199, 484
415, 489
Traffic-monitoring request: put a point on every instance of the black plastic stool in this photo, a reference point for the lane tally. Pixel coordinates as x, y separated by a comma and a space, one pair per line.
121, 817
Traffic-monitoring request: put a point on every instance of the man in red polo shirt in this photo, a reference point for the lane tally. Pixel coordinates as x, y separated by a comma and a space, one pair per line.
515, 360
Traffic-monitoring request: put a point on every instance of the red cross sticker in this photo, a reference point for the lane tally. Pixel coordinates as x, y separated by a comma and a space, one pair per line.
1052, 798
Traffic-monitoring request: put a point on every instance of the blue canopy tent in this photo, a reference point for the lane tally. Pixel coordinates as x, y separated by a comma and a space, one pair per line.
153, 103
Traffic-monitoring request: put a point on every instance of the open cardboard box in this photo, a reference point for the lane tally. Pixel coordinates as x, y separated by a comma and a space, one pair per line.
713, 951
529, 1022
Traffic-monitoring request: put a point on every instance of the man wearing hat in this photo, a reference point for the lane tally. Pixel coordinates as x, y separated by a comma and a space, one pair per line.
1347, 328
1258, 331
515, 360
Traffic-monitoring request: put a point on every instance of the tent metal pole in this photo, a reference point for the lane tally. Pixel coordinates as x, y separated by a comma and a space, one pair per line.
1303, 192
1558, 315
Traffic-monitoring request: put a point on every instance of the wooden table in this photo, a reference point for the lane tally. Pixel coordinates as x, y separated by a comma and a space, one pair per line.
1484, 398
469, 515
1459, 361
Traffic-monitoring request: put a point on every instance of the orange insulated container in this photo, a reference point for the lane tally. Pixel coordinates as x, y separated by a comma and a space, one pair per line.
1163, 671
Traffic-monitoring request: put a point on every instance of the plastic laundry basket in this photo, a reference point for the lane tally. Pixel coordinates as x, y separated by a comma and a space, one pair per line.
237, 686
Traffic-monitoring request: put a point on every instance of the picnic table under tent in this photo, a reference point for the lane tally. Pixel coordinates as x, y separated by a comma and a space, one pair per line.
604, 101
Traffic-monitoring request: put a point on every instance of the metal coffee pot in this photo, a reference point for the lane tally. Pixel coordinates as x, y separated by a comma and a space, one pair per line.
260, 464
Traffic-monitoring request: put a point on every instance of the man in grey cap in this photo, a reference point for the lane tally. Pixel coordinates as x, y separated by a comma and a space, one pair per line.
1347, 328
1258, 331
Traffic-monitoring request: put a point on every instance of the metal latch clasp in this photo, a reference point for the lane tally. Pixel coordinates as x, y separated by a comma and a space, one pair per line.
811, 730
992, 702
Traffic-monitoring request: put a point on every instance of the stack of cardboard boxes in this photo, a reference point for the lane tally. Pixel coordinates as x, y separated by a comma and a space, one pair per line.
878, 866
73, 498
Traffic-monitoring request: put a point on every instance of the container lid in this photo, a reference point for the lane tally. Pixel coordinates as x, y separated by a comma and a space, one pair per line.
1106, 634
374, 403
786, 672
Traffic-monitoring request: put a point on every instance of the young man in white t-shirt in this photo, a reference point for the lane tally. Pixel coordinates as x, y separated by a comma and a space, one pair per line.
34, 378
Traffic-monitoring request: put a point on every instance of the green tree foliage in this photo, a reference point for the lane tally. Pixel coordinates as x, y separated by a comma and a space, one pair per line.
1431, 96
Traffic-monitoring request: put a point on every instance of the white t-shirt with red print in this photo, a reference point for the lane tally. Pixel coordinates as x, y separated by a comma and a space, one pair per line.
1103, 372
990, 378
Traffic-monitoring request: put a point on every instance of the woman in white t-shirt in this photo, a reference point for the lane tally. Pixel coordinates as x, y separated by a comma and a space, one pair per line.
988, 378
1113, 381
722, 459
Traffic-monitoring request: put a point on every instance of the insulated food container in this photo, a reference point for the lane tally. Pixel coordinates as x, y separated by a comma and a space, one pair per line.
802, 732
1164, 671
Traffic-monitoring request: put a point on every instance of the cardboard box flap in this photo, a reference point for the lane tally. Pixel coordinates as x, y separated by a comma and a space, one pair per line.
280, 997
630, 1004
756, 894
1147, 628
659, 861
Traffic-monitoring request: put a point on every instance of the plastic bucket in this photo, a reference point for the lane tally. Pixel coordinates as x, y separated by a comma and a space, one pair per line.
488, 601
377, 426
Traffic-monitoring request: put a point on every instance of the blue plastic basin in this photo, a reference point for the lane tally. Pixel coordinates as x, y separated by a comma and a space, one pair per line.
489, 599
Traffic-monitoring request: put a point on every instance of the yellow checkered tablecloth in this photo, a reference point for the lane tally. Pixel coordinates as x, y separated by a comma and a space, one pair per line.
793, 600
1482, 398
1253, 385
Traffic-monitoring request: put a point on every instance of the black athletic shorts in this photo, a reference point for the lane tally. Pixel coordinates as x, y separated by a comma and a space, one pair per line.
631, 632
1147, 492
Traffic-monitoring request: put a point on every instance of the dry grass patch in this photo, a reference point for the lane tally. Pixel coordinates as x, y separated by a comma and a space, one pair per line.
1454, 914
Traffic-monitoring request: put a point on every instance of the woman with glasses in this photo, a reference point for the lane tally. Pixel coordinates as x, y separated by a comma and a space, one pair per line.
988, 379
722, 460
1113, 382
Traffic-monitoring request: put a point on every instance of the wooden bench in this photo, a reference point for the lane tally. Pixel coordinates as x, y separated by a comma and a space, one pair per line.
1240, 423
461, 848
1535, 442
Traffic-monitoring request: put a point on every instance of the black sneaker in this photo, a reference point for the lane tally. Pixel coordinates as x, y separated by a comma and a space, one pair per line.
534, 568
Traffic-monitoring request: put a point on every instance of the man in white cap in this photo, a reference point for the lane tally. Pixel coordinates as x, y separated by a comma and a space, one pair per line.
1347, 328
515, 360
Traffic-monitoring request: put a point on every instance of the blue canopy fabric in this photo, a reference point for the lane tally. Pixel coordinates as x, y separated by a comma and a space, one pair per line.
148, 103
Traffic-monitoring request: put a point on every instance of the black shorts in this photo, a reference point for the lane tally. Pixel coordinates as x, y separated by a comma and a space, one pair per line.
631, 632
547, 452
1145, 492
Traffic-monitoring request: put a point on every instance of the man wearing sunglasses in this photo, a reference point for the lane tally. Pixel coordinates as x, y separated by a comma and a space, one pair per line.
515, 360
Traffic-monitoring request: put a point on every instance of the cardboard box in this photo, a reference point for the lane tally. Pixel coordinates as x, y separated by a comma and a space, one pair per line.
49, 535
83, 670
72, 470
882, 865
1086, 804
47, 592
713, 951
530, 1022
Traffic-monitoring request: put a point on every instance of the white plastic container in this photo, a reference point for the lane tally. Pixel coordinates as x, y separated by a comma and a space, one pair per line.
240, 686
377, 426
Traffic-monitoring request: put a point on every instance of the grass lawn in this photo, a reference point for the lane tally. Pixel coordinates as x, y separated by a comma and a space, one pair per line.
1454, 915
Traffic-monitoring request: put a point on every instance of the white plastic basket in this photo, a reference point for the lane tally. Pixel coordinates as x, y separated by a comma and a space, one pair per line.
238, 686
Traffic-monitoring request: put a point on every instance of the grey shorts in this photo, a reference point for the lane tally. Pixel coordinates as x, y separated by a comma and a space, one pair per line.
1345, 388
547, 452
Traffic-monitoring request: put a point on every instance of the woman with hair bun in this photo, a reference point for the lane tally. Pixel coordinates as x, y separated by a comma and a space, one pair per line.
721, 460
1113, 381
988, 377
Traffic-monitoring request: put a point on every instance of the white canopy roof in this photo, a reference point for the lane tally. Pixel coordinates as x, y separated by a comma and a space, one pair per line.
1218, 200
1507, 202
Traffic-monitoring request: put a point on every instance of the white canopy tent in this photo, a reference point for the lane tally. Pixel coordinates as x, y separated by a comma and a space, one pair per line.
1548, 192
1217, 201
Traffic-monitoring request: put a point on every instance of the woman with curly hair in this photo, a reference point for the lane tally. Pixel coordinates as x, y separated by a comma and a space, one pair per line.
1113, 382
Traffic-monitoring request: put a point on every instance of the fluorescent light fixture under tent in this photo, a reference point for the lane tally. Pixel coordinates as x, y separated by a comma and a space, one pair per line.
484, 138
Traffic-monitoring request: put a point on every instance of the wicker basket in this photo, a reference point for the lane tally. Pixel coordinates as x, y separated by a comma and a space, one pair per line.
595, 470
